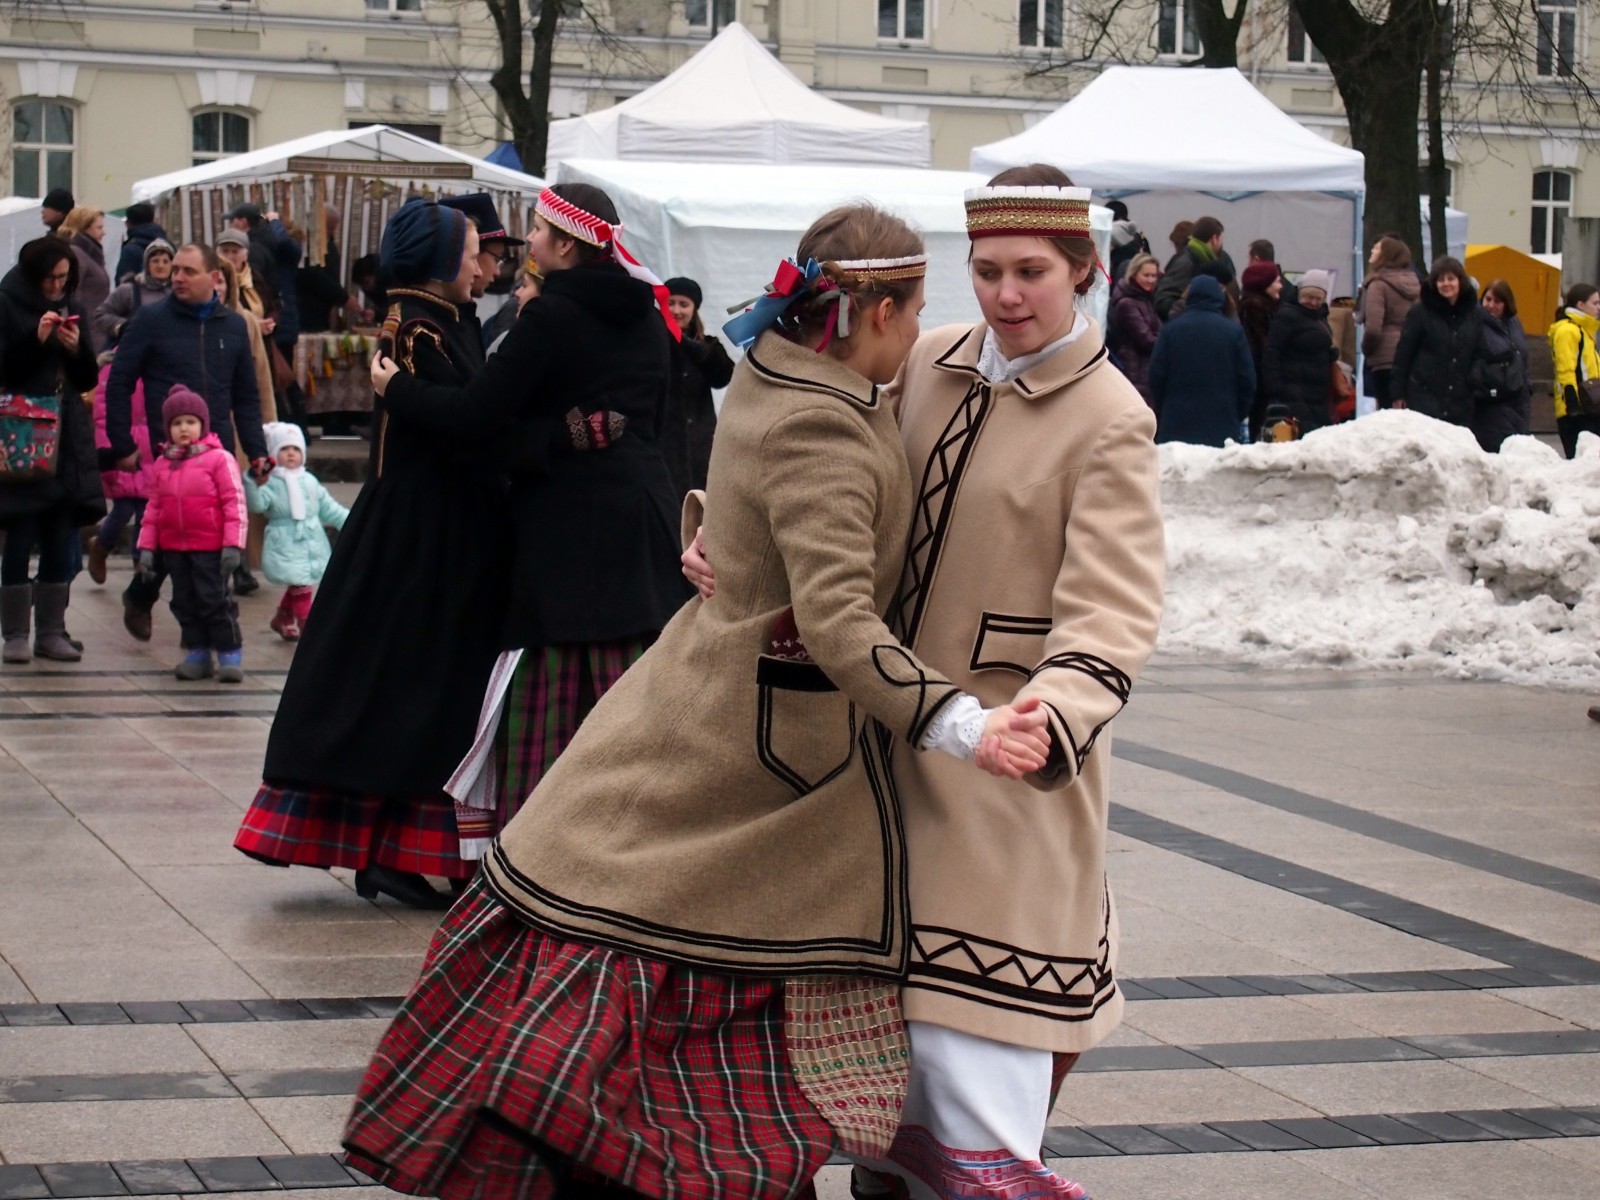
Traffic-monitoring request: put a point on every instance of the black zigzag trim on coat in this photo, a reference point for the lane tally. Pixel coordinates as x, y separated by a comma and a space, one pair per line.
930, 524
1110, 676
917, 678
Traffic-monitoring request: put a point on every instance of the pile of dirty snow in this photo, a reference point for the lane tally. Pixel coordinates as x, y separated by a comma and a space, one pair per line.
1392, 541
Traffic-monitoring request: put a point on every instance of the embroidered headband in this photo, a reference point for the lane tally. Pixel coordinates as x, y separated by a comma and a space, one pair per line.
586, 227
1028, 212
833, 280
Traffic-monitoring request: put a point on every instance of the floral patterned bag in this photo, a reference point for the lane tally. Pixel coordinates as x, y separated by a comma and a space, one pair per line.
30, 437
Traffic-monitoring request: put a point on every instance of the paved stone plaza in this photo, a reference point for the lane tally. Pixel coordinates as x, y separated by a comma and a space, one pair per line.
1358, 915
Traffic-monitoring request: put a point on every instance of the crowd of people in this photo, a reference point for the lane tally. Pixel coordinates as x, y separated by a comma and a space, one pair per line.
1224, 355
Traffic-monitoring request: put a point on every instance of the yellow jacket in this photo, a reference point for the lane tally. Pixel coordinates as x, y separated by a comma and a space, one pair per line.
1566, 335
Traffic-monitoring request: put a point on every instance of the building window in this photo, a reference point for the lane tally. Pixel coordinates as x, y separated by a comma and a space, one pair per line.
41, 147
1423, 183
1039, 23
902, 20
1301, 50
710, 15
1176, 33
219, 134
394, 6
1552, 200
1557, 43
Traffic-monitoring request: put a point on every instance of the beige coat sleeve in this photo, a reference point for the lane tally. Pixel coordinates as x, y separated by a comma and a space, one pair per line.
1107, 599
822, 486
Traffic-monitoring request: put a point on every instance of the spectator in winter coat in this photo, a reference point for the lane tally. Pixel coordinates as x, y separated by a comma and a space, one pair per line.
1203, 255
1258, 305
137, 235
191, 338
1439, 343
1572, 347
1201, 376
53, 210
1386, 296
85, 230
1133, 326
250, 295
1502, 397
149, 286
699, 364
1127, 242
1299, 357
274, 259
45, 361
1179, 237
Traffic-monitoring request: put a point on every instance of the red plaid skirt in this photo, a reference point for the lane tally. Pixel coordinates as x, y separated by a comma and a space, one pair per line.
290, 827
519, 1058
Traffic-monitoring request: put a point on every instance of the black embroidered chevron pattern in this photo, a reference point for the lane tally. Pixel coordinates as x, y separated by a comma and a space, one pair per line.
941, 480
1107, 675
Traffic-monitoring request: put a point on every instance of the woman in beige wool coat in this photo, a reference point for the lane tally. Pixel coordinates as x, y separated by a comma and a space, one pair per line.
677, 973
1035, 563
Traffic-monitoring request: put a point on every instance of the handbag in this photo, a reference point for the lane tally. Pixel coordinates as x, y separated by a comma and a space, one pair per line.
1588, 389
282, 372
30, 437
1341, 394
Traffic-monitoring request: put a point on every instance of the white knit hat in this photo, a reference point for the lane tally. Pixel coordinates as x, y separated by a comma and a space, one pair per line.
281, 434
1319, 279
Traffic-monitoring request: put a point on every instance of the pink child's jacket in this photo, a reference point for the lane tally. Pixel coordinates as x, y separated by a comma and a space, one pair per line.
124, 484
196, 503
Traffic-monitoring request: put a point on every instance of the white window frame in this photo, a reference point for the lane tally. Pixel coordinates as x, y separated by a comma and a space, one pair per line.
1550, 207
394, 8
205, 156
1182, 29
1309, 55
1044, 12
697, 14
43, 148
1568, 18
900, 21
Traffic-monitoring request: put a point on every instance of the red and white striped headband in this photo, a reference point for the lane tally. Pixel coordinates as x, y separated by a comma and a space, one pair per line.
586, 227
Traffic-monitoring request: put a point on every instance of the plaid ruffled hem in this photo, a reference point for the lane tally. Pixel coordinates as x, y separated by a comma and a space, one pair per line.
315, 828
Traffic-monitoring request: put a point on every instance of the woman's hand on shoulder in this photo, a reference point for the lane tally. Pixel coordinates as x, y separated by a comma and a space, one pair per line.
697, 568
1016, 740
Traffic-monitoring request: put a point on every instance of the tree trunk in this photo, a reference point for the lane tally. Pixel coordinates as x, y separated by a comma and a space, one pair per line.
532, 146
1438, 186
1219, 33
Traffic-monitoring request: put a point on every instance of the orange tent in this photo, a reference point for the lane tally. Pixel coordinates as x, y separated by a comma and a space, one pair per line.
1536, 284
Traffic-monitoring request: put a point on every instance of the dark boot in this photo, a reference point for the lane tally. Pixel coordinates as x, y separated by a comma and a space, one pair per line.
244, 583
16, 614
135, 618
50, 623
404, 886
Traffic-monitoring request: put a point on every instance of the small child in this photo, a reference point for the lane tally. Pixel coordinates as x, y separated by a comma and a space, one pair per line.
297, 508
195, 519
127, 490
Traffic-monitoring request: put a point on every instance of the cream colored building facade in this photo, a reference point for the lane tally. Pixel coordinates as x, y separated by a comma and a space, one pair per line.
104, 92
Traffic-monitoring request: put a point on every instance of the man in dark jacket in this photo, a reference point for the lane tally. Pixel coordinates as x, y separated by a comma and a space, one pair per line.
1202, 378
1203, 255
194, 339
274, 260
136, 238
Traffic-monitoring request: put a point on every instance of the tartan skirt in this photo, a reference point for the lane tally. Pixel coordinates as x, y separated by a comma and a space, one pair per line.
520, 1061
553, 690
323, 828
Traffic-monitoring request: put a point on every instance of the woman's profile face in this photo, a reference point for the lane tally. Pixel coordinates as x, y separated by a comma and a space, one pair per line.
550, 248
1275, 288
459, 289
879, 353
97, 229
1591, 305
1494, 306
1026, 289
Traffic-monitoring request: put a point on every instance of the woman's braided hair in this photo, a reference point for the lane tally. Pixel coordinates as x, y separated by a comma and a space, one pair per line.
850, 233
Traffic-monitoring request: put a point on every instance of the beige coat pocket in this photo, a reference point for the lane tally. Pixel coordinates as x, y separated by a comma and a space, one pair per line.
1008, 643
805, 727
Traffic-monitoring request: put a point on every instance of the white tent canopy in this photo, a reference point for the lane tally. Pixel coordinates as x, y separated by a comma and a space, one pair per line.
734, 102
21, 222
1184, 142
375, 144
727, 226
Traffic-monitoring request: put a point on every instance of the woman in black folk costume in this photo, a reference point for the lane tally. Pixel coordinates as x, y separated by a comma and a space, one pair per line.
576, 395
378, 708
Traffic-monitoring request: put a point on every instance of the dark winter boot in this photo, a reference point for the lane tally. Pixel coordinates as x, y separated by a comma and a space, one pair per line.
50, 623
16, 611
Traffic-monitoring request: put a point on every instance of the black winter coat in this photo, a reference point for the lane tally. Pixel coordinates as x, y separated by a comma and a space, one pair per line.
30, 368
1201, 375
1502, 396
1132, 329
596, 532
1298, 364
384, 692
698, 365
134, 240
1439, 347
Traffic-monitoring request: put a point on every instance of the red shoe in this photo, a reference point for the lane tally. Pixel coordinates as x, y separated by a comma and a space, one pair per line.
285, 626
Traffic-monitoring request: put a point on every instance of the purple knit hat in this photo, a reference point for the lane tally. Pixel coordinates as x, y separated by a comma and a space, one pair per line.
181, 402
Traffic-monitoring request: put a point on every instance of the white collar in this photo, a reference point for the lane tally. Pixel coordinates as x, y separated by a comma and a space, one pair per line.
997, 368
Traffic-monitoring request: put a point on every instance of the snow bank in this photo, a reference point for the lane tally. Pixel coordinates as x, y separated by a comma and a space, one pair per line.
1392, 541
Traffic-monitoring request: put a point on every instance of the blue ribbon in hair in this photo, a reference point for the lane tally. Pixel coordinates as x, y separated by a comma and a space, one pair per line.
766, 310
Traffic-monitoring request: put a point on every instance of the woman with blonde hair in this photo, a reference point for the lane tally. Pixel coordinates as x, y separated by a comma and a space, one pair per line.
1133, 324
85, 230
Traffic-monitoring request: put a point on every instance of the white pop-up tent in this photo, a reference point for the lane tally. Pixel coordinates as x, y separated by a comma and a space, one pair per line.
1176, 143
734, 102
727, 226
21, 222
362, 174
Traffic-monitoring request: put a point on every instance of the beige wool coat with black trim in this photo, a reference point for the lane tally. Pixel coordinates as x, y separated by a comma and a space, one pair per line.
1035, 569
724, 805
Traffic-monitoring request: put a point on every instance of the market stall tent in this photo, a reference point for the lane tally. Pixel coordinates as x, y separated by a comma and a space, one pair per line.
727, 226
1176, 143
734, 102
363, 174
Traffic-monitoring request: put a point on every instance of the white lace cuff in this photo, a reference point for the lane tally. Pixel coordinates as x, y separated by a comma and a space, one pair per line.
958, 729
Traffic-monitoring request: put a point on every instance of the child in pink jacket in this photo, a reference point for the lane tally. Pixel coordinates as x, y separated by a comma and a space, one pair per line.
127, 490
196, 519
